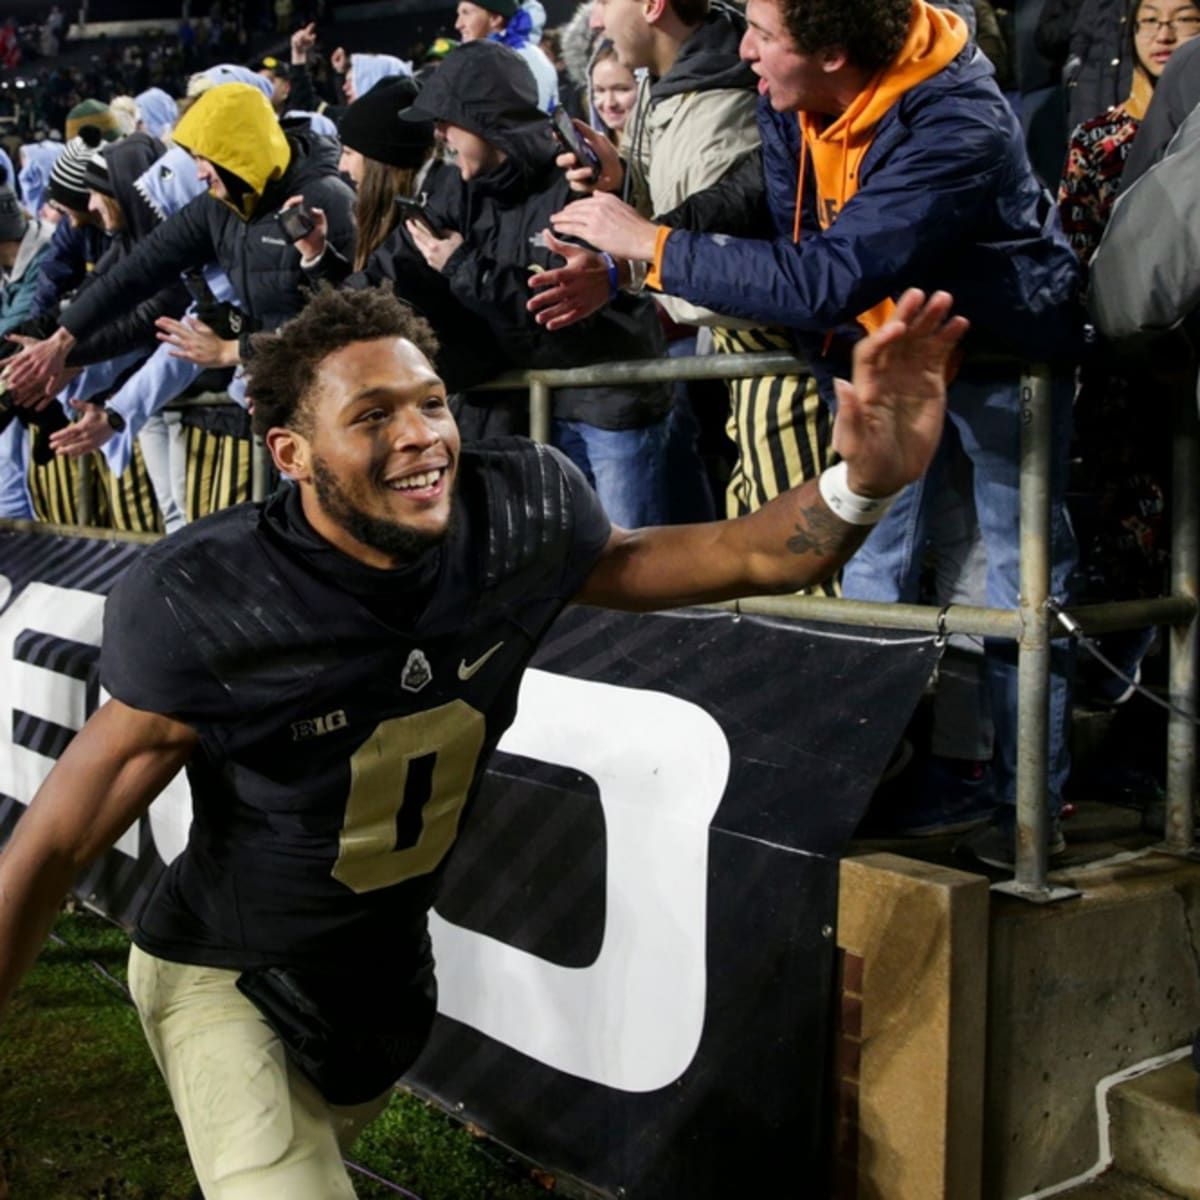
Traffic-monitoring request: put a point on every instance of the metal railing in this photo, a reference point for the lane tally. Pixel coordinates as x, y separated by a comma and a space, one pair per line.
1031, 624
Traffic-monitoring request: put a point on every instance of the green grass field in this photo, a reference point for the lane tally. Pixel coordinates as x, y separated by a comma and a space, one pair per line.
84, 1114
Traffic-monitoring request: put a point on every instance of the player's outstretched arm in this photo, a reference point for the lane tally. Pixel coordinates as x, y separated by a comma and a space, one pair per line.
106, 778
888, 426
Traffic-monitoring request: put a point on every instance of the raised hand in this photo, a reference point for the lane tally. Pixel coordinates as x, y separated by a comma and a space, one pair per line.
890, 415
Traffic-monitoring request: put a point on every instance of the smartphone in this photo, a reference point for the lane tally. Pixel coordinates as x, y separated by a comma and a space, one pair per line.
296, 222
573, 141
414, 210
198, 288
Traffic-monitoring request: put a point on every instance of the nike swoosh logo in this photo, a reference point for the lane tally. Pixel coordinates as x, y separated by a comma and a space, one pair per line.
465, 670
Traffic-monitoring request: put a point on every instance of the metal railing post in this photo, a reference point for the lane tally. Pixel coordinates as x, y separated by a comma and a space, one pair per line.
1181, 729
1033, 646
539, 410
84, 490
260, 468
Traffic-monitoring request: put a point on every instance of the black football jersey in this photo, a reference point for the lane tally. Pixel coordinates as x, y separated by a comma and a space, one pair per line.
345, 714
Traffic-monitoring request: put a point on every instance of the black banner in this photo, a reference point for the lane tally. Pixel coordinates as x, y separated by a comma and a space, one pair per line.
635, 940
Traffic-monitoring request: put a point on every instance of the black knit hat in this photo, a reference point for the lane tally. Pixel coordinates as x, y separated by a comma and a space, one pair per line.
13, 222
95, 174
372, 125
68, 186
503, 8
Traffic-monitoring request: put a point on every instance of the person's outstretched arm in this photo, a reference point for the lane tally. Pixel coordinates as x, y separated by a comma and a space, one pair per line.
106, 778
888, 426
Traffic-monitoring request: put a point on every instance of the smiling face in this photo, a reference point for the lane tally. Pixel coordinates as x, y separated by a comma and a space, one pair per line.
474, 23
375, 452
614, 90
1160, 28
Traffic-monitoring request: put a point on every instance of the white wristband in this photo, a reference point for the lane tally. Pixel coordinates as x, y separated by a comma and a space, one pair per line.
850, 506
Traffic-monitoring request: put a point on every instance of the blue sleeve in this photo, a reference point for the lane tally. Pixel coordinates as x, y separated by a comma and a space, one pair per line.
62, 268
920, 203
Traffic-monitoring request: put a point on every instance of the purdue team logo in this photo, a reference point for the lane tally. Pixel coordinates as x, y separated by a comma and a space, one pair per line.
417, 672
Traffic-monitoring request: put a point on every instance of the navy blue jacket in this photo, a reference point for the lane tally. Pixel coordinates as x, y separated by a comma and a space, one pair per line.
946, 199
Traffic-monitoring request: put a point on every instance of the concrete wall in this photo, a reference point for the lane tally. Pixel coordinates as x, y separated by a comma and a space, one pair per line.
1079, 990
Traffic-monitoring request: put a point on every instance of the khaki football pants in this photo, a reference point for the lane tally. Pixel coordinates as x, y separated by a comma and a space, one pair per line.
256, 1129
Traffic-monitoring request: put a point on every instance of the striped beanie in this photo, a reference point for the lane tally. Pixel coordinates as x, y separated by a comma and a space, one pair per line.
68, 182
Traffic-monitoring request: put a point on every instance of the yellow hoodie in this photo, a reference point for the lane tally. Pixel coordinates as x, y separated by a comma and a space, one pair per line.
236, 129
935, 38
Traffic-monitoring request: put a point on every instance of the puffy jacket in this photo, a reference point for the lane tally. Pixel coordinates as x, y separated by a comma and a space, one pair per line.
1099, 67
946, 199
692, 125
502, 215
240, 134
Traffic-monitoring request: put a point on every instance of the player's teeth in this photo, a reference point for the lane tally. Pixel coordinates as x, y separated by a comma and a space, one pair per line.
427, 479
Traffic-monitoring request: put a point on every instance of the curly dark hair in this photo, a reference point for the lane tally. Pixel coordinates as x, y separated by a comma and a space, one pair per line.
283, 365
870, 32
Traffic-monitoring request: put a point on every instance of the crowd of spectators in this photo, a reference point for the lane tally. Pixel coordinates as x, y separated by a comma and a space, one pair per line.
169, 198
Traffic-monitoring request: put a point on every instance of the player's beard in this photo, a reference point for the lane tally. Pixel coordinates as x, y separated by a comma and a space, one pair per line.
399, 541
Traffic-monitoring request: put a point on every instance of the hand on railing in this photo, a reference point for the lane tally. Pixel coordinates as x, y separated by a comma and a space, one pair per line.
88, 432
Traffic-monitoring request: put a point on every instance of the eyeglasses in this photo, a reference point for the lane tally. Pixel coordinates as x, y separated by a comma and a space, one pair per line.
1183, 26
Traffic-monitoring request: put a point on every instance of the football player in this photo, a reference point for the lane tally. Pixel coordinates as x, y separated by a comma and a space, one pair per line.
333, 668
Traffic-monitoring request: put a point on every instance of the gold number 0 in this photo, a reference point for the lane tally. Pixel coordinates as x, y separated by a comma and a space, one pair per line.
425, 760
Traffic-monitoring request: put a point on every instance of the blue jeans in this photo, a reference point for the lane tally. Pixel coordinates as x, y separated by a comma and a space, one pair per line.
14, 468
985, 415
627, 467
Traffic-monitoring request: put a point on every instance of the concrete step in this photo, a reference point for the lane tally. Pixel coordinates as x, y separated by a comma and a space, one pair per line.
1113, 1185
1155, 1130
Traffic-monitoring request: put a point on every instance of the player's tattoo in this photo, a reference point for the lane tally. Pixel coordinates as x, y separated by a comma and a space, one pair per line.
820, 532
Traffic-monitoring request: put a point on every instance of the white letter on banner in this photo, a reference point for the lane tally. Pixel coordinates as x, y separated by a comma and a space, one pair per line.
62, 612
76, 616
633, 1018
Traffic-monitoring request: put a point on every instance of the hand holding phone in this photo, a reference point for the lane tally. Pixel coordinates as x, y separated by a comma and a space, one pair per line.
296, 222
414, 210
574, 142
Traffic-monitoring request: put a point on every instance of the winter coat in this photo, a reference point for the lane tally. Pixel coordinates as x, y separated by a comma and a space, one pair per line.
1099, 66
468, 353
946, 199
502, 214
233, 127
133, 327
691, 126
